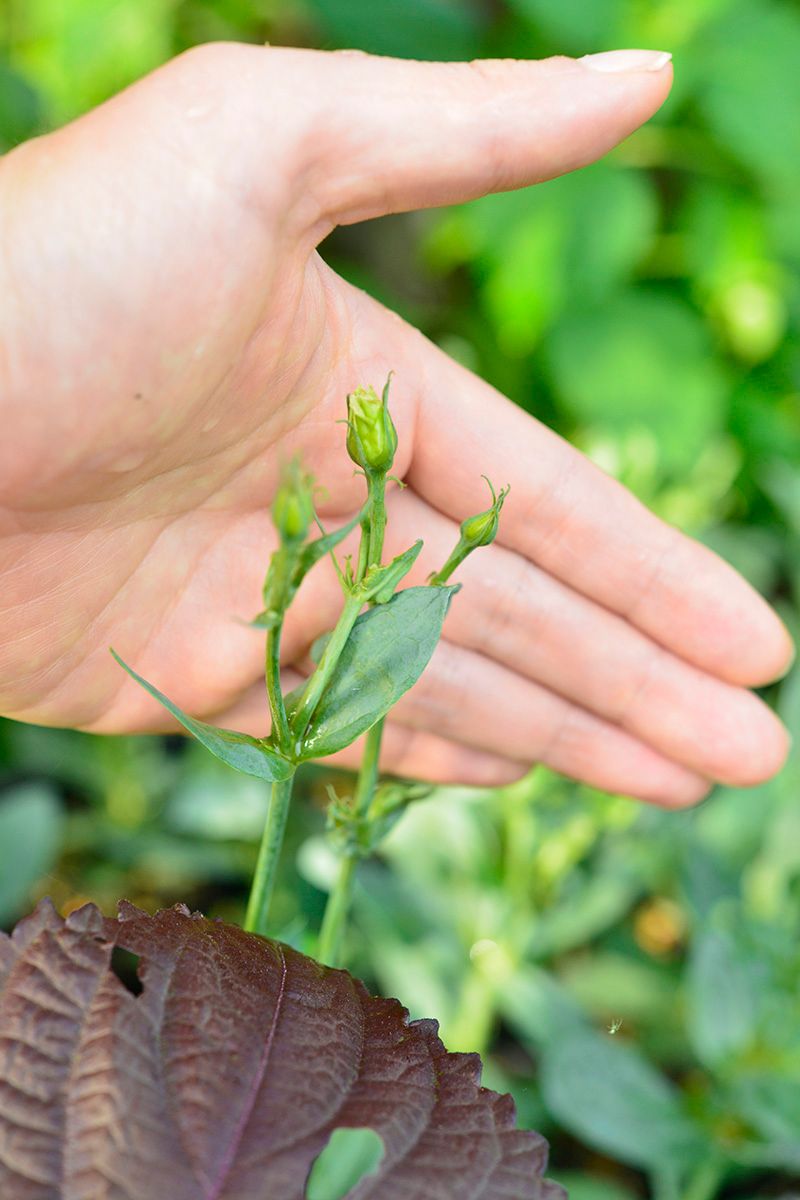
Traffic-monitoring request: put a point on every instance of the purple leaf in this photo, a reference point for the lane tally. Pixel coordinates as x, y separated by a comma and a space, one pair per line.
225, 1077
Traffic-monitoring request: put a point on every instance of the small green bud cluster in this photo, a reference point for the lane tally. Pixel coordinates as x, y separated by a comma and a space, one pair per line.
371, 435
293, 506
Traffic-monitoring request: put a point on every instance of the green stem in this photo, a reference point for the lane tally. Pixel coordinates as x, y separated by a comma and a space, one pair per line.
705, 1182
338, 906
327, 665
272, 673
664, 1183
269, 852
339, 899
455, 560
336, 910
377, 519
368, 771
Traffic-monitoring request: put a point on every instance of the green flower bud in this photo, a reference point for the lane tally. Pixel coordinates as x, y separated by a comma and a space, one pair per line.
371, 435
293, 506
476, 531
481, 530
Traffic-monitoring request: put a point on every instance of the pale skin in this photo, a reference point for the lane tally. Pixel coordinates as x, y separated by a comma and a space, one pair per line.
170, 335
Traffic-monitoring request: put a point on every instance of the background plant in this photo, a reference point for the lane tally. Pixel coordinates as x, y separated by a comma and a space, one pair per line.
647, 307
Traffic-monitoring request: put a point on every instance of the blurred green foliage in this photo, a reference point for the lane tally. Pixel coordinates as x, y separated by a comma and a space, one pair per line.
632, 975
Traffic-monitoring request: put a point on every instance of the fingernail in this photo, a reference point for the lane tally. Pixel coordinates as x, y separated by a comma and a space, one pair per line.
627, 60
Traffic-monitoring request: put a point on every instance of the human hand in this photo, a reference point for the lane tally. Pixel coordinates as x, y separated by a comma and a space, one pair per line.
171, 335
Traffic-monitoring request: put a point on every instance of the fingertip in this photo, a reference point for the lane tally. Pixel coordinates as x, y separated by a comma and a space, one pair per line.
765, 757
614, 62
692, 793
755, 647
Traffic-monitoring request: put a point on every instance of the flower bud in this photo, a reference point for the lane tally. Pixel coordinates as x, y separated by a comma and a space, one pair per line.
293, 506
476, 531
481, 530
371, 435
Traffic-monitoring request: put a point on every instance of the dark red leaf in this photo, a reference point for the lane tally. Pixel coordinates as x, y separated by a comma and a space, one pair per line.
225, 1077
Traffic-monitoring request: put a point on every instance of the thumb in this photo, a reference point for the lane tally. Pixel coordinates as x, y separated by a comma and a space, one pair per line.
394, 135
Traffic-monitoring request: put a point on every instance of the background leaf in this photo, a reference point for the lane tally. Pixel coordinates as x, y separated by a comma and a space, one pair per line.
607, 1093
440, 29
642, 363
386, 653
723, 997
31, 828
350, 1155
228, 1072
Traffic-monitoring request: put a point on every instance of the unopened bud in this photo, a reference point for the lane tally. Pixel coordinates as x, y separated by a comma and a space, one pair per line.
293, 506
481, 530
476, 531
371, 435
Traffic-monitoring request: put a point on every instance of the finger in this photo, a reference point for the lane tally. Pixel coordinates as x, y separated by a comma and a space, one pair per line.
418, 754
464, 697
565, 514
513, 612
473, 722
405, 751
394, 134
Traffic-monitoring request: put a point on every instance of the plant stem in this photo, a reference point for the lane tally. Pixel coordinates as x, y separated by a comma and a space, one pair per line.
454, 561
336, 910
272, 673
327, 665
338, 905
272, 839
377, 519
705, 1182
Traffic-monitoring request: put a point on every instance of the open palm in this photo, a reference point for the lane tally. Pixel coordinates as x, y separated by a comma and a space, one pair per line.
171, 336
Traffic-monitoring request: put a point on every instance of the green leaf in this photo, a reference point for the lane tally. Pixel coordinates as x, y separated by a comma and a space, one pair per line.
31, 822
386, 653
350, 1155
575, 26
643, 364
750, 87
433, 29
251, 756
21, 113
772, 1105
723, 998
379, 583
592, 1187
606, 1093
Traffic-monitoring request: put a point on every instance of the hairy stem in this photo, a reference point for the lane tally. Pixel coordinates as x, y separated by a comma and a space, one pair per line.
269, 852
